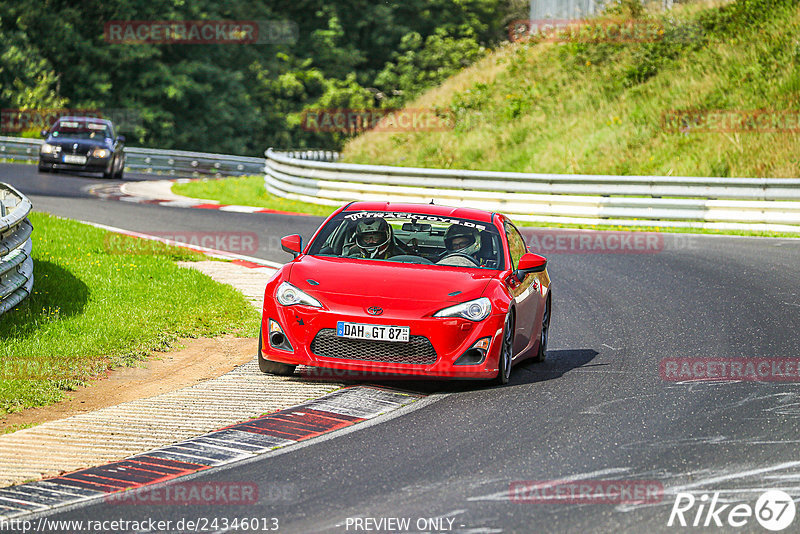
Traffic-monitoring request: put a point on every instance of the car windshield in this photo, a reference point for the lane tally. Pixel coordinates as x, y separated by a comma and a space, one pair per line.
411, 238
81, 130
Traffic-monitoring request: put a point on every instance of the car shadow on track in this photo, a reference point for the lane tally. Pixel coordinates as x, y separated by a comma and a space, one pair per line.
557, 363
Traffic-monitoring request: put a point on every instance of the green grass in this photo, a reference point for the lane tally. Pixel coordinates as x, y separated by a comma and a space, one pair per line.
247, 191
102, 300
600, 107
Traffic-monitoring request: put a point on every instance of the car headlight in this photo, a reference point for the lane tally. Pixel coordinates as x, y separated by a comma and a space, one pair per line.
47, 148
100, 153
474, 310
288, 295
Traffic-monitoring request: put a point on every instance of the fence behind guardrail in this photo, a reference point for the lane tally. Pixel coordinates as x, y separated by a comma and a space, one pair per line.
16, 264
169, 163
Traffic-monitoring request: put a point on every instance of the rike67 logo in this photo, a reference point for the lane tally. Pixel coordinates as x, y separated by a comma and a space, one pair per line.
774, 510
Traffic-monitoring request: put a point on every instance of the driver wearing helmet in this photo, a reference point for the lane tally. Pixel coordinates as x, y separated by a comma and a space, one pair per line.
373, 239
461, 239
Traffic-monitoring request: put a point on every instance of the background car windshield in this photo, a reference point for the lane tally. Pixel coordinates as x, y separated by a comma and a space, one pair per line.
411, 238
80, 130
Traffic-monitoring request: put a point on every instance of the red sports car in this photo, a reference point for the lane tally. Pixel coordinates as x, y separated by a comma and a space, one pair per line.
407, 289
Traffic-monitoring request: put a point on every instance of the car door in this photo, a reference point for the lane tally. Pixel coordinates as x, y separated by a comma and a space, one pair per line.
525, 292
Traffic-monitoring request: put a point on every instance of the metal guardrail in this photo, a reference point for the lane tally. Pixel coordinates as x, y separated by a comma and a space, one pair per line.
16, 264
171, 163
316, 176
692, 202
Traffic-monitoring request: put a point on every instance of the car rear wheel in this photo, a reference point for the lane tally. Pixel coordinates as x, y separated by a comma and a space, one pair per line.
540, 355
270, 367
507, 351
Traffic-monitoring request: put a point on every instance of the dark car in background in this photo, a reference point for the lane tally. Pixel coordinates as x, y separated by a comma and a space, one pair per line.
83, 144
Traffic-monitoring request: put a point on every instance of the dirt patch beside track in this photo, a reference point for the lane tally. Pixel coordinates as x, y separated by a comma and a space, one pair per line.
201, 359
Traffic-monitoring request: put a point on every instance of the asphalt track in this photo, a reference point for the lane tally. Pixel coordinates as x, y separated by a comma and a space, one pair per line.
598, 409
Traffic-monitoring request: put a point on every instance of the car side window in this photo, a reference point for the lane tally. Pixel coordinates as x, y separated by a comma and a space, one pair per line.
516, 245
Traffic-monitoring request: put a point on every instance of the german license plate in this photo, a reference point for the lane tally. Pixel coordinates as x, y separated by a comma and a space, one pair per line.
71, 158
376, 332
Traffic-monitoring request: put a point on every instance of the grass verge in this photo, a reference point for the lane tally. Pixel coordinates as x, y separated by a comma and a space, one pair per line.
100, 300
246, 191
610, 107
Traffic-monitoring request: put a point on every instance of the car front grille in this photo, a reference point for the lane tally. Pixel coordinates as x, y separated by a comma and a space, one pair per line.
417, 351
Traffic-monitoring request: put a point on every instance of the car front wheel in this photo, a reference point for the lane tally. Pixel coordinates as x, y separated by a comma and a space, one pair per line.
270, 367
506, 351
540, 355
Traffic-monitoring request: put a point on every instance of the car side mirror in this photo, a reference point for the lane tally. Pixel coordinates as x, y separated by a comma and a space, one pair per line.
293, 244
44, 132
120, 138
530, 263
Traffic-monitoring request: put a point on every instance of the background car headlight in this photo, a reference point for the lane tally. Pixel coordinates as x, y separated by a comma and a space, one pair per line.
288, 295
474, 310
47, 148
100, 152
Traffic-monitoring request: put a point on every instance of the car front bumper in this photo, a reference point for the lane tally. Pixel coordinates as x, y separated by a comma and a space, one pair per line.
52, 161
311, 332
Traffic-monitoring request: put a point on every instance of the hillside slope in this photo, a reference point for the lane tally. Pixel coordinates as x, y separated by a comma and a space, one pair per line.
717, 93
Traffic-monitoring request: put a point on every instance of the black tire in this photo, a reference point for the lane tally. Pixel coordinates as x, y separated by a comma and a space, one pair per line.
43, 168
540, 355
118, 175
270, 367
506, 352
108, 175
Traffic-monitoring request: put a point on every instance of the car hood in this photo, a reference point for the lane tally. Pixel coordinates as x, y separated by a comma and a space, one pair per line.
388, 280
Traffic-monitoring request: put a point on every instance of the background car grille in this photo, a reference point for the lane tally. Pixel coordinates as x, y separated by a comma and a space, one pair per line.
418, 350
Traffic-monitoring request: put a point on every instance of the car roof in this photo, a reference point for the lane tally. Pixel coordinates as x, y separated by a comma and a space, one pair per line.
426, 209
86, 119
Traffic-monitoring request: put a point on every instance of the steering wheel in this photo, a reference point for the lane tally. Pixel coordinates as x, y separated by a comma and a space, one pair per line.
458, 255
